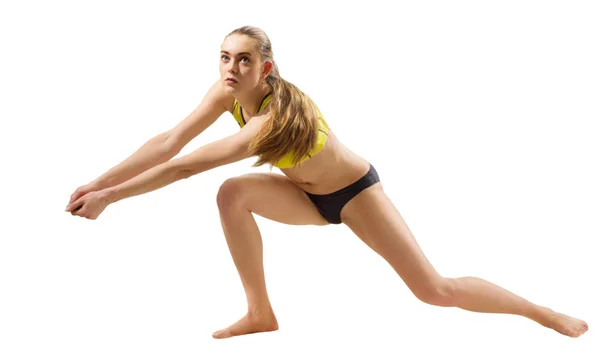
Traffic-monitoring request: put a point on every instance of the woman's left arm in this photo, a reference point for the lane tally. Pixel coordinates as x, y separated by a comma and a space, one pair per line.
221, 152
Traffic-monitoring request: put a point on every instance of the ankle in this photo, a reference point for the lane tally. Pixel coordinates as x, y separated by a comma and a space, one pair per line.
260, 310
540, 314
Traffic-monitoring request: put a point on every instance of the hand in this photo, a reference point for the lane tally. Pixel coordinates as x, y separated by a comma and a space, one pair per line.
81, 191
91, 205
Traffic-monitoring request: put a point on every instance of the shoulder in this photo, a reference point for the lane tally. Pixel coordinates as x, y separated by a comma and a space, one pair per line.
218, 95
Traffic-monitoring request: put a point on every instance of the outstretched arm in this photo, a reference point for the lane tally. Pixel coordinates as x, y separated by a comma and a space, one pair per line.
224, 151
164, 146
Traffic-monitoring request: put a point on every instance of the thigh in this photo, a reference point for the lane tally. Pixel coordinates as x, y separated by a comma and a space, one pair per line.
375, 220
272, 196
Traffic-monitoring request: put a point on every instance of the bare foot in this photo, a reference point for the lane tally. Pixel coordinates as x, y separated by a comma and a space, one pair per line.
249, 324
564, 324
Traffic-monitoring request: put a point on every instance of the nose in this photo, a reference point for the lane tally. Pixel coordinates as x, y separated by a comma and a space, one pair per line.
232, 67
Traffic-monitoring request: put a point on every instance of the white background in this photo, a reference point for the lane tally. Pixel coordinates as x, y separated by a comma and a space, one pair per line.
481, 118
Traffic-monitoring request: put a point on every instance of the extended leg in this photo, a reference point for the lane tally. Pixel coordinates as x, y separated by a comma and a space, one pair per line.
373, 217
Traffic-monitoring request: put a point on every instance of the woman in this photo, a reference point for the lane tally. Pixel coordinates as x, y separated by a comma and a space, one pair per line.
324, 183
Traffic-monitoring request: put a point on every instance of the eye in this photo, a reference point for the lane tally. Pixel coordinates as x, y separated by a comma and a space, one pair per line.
247, 59
224, 57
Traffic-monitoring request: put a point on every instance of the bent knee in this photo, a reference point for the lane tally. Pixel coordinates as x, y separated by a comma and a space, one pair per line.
440, 293
230, 192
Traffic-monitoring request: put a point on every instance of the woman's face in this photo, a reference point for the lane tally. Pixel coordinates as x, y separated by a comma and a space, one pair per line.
240, 65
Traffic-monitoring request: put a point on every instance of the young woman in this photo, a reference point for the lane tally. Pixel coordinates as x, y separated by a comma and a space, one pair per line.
324, 183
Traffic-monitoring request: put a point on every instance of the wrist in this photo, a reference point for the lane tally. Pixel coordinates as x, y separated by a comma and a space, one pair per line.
95, 186
110, 194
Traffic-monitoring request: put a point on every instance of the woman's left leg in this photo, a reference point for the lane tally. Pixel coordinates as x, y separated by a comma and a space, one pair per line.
373, 218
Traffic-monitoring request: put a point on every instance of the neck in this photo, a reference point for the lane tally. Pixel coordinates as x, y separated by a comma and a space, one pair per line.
251, 100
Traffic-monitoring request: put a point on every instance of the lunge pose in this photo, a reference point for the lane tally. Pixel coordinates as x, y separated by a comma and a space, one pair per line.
324, 183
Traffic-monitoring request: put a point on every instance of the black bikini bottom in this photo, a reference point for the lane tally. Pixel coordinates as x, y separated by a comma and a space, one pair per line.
330, 205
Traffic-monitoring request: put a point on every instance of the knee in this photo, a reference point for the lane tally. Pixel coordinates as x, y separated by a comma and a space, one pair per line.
230, 193
438, 293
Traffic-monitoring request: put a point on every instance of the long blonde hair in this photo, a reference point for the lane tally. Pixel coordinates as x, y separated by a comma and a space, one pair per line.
292, 123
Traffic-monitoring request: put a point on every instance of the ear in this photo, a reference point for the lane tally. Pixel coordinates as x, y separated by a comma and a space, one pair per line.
267, 68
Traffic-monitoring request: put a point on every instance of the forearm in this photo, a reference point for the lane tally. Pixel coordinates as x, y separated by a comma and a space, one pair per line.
210, 156
150, 180
155, 151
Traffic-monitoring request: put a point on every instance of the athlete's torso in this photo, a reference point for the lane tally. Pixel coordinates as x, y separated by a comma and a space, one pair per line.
287, 160
334, 167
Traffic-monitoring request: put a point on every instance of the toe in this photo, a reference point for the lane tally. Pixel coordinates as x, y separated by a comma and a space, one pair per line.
219, 334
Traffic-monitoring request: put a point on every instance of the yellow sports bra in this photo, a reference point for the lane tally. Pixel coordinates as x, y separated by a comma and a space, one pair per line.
286, 161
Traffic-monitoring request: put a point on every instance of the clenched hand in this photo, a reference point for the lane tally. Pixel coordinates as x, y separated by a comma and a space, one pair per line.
90, 205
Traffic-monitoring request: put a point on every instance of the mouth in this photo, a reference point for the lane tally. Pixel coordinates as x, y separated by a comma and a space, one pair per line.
230, 80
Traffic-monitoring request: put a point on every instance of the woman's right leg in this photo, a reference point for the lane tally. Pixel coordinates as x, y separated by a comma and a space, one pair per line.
274, 197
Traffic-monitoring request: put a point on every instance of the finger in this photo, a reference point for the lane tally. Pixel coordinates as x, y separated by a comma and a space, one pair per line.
76, 195
78, 212
74, 206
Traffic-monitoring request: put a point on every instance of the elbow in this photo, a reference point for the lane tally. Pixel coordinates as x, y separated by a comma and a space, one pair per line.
185, 170
179, 169
169, 145
185, 173
206, 158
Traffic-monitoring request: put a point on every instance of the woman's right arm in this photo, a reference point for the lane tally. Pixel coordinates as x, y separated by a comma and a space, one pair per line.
164, 146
